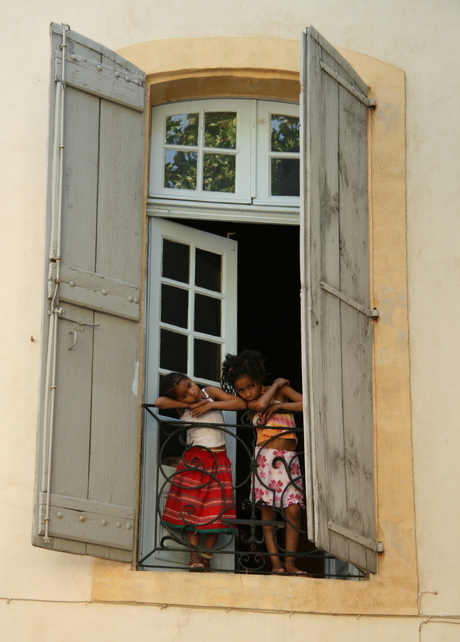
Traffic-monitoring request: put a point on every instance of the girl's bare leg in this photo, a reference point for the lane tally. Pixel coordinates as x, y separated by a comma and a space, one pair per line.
269, 515
194, 541
209, 542
292, 514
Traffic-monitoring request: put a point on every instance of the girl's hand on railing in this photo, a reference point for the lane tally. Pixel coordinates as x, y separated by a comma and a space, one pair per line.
265, 416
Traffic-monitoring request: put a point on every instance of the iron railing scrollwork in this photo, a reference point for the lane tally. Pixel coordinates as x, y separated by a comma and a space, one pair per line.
243, 545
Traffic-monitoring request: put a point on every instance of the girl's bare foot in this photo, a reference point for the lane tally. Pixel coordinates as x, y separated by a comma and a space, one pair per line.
293, 570
279, 570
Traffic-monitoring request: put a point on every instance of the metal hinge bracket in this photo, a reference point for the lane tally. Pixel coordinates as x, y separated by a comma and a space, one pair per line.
372, 314
377, 547
369, 102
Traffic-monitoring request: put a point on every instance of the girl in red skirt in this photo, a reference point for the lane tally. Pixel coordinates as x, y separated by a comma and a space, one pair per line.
201, 492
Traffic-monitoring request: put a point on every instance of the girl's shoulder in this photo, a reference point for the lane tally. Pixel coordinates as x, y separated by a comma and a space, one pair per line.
210, 391
217, 394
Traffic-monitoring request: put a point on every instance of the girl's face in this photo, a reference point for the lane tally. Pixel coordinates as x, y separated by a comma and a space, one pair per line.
247, 389
187, 391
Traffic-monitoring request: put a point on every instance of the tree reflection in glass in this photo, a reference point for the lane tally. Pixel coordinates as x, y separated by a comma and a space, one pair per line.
220, 130
219, 173
284, 140
180, 169
285, 133
182, 130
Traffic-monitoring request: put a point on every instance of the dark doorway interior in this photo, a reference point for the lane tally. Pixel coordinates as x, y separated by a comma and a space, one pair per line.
268, 319
268, 292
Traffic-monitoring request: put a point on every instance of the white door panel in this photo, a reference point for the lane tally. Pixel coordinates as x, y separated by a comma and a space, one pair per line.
191, 325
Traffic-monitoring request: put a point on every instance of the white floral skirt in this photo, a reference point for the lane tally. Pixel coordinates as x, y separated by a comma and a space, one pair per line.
278, 480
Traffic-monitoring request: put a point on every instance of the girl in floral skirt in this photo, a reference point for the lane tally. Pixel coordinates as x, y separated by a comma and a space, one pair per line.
277, 483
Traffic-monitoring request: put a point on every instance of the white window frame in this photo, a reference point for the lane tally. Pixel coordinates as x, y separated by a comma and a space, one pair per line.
242, 151
252, 200
265, 110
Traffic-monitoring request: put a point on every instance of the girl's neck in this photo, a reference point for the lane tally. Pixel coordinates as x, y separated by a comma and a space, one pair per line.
261, 392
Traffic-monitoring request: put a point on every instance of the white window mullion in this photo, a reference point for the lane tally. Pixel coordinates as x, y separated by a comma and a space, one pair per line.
253, 150
191, 312
199, 174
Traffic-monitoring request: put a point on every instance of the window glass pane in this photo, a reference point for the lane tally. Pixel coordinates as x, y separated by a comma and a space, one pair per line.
180, 169
173, 351
176, 261
174, 306
207, 358
208, 270
220, 129
207, 315
285, 177
182, 129
219, 172
285, 133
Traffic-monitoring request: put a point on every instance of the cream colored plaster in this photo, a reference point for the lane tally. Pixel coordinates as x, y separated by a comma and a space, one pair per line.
393, 590
419, 36
54, 622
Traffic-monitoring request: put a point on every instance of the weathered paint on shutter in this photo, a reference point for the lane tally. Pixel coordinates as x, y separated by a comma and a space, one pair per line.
89, 490
337, 339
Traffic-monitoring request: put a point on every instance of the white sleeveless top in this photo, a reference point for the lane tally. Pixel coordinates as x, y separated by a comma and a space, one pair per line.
203, 436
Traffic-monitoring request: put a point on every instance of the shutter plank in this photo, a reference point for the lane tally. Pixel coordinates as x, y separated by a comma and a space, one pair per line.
114, 435
357, 330
120, 194
80, 169
73, 413
338, 336
329, 398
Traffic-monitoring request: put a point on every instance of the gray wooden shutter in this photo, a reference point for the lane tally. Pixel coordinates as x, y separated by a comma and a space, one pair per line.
88, 432
337, 321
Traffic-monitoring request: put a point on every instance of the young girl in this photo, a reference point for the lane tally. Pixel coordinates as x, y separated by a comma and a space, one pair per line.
201, 490
277, 482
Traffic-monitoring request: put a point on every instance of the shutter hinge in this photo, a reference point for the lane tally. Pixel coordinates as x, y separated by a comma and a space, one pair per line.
377, 547
51, 278
369, 102
372, 314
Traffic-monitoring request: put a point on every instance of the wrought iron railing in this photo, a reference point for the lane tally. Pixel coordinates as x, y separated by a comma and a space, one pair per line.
242, 550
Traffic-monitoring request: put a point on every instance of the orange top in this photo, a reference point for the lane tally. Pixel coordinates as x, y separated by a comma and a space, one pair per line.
282, 421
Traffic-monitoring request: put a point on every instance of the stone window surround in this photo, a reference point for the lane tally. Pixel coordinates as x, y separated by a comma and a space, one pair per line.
268, 68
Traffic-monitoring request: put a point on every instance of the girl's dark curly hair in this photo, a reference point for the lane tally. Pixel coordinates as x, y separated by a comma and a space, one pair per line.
249, 363
169, 384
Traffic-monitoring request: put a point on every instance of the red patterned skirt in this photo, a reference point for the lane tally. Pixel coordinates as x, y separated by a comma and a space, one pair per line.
201, 492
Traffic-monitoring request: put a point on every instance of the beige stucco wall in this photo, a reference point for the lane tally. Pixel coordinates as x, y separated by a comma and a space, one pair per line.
418, 37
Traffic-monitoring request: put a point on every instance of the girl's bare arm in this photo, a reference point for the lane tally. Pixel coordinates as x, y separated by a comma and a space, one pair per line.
224, 400
221, 401
266, 398
292, 401
166, 403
